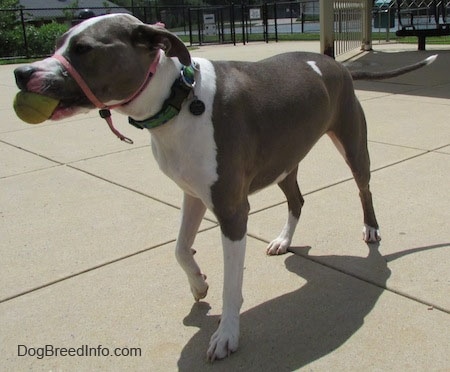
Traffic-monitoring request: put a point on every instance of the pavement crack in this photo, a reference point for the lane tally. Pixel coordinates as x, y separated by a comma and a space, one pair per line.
123, 186
361, 278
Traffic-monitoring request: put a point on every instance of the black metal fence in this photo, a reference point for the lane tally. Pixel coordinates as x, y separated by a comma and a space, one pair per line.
32, 32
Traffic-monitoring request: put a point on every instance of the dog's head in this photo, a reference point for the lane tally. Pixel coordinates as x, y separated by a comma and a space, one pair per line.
111, 53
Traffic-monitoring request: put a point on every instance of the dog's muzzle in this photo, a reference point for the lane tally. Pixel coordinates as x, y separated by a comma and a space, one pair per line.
104, 112
23, 75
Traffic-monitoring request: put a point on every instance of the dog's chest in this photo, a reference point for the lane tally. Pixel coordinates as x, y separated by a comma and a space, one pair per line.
185, 148
189, 159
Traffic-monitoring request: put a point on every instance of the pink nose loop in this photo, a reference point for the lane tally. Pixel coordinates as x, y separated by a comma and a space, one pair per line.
104, 109
80, 81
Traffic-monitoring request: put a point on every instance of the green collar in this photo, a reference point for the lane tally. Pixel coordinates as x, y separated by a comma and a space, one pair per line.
179, 91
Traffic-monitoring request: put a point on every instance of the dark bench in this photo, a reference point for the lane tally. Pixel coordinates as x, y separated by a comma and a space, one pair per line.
409, 28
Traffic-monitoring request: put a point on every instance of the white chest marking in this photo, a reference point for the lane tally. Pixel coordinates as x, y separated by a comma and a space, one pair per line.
314, 67
185, 148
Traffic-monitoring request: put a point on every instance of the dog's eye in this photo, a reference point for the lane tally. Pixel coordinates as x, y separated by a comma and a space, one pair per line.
82, 48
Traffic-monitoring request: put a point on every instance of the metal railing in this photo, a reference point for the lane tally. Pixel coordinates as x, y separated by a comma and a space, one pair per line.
345, 25
423, 14
258, 22
348, 25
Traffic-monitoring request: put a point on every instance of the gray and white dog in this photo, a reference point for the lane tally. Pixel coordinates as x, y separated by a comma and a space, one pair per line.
221, 131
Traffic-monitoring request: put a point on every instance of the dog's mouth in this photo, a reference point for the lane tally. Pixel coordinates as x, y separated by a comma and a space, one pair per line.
71, 99
51, 85
34, 107
67, 108
63, 113
68, 105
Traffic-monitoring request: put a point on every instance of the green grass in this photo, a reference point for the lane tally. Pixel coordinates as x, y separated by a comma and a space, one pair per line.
444, 40
298, 37
254, 37
11, 61
316, 37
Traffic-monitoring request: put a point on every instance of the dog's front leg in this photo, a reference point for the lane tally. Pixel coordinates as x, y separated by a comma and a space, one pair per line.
226, 339
192, 213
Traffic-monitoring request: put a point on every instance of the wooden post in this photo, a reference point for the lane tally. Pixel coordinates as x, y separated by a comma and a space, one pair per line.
326, 27
367, 25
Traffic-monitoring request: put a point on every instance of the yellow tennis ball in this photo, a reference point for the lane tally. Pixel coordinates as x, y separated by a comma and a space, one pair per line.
34, 108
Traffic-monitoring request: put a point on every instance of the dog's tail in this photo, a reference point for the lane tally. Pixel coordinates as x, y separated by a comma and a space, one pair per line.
364, 75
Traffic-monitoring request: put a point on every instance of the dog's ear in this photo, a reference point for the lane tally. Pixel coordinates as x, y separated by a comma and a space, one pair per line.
157, 37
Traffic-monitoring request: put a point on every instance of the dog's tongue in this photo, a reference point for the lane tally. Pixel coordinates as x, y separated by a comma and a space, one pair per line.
34, 108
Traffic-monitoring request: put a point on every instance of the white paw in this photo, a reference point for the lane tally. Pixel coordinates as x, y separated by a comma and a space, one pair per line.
224, 341
371, 234
278, 246
199, 287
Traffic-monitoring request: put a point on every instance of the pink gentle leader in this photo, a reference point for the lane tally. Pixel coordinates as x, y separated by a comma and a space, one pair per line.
104, 109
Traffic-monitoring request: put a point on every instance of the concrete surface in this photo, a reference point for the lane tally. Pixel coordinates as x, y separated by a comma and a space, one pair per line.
88, 226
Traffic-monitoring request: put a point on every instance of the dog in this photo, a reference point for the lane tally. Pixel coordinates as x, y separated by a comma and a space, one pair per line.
221, 130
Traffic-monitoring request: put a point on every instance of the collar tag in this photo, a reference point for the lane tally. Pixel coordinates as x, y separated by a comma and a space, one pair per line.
197, 107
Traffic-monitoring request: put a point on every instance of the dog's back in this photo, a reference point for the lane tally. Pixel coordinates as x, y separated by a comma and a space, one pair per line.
277, 109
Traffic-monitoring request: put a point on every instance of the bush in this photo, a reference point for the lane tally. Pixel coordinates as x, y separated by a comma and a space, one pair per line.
41, 40
11, 42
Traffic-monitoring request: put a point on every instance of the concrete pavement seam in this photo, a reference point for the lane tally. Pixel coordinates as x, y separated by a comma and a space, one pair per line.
425, 152
368, 281
95, 267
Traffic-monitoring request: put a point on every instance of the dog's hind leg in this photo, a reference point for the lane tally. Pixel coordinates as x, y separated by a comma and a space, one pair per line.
192, 213
290, 188
353, 147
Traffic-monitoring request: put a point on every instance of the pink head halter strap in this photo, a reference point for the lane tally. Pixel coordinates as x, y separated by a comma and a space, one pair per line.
104, 109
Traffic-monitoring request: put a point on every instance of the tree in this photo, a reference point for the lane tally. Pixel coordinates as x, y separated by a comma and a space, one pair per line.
8, 19
69, 11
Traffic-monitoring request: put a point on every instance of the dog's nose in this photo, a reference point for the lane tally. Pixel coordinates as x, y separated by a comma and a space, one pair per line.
23, 75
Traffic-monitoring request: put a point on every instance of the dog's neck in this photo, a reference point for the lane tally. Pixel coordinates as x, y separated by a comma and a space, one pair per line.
151, 99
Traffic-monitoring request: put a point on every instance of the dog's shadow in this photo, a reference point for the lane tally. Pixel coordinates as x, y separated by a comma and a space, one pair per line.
295, 329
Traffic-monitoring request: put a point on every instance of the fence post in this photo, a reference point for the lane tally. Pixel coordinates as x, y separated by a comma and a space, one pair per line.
326, 27
265, 22
290, 16
24, 32
190, 26
303, 18
367, 25
199, 25
275, 23
243, 22
233, 24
